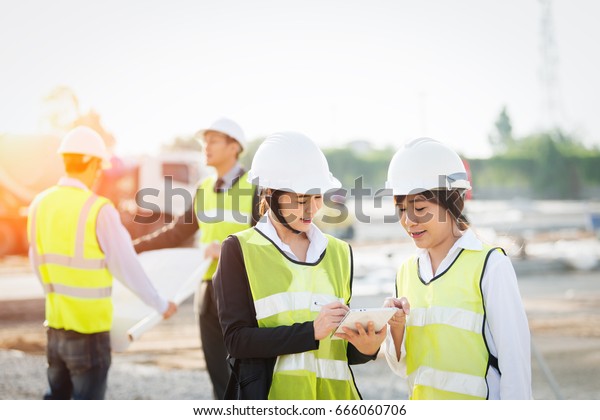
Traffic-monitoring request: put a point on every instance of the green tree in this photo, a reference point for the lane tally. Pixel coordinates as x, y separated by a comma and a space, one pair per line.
182, 143
502, 139
61, 112
554, 176
92, 119
348, 165
553, 157
248, 153
60, 109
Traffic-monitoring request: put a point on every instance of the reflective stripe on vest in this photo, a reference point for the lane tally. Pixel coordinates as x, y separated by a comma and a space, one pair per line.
437, 381
324, 368
456, 317
446, 353
79, 292
65, 251
290, 301
295, 297
223, 214
75, 262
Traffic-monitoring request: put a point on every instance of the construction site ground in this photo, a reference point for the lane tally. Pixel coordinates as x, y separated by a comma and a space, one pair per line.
563, 308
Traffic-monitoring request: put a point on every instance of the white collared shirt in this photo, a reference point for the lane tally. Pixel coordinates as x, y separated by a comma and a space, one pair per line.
230, 176
506, 328
318, 241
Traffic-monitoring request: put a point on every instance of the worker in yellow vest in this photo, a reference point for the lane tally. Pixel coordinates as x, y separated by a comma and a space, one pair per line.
224, 204
282, 287
77, 244
462, 332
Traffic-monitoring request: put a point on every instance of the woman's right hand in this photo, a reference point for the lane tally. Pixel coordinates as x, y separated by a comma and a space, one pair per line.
328, 319
399, 318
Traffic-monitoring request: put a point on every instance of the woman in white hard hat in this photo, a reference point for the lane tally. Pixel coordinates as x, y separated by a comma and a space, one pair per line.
283, 286
461, 331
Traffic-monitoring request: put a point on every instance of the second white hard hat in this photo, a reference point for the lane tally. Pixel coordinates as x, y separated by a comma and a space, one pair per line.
290, 161
229, 127
426, 164
83, 140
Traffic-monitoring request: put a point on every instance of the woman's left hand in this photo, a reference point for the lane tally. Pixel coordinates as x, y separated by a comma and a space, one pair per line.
366, 341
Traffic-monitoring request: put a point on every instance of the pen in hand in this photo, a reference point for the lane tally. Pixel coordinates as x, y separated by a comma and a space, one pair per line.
328, 318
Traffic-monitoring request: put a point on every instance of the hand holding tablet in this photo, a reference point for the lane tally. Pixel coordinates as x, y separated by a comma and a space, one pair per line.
379, 316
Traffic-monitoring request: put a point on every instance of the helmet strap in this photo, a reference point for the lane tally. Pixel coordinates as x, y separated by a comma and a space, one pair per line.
273, 202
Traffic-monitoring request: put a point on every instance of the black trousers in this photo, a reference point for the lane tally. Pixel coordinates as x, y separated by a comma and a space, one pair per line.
211, 337
250, 379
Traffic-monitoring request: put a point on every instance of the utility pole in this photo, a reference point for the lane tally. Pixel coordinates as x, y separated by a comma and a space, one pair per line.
548, 72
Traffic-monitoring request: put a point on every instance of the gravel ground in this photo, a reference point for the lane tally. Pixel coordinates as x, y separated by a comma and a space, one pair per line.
166, 364
23, 377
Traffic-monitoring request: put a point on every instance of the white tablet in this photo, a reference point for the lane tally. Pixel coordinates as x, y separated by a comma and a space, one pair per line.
379, 316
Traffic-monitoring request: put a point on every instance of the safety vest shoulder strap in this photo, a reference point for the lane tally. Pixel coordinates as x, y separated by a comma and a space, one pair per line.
78, 260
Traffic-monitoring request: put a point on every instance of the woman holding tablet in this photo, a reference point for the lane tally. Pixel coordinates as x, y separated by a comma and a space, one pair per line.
283, 286
464, 334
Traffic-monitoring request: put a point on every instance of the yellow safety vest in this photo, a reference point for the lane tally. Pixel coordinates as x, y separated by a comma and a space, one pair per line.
223, 214
446, 353
286, 292
72, 267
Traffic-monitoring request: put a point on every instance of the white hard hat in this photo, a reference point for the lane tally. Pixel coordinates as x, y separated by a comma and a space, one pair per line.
83, 140
229, 127
291, 161
426, 164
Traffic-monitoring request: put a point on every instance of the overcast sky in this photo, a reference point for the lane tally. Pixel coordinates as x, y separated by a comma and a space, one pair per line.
385, 71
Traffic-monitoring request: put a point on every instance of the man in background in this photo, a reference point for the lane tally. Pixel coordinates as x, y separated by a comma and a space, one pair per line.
224, 204
77, 244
